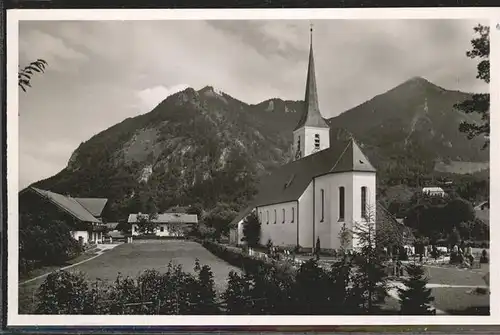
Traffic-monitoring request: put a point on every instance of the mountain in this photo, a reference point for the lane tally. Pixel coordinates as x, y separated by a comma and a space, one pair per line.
207, 147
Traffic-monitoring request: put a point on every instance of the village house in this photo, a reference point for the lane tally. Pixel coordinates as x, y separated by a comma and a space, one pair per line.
82, 215
434, 191
483, 211
330, 185
167, 224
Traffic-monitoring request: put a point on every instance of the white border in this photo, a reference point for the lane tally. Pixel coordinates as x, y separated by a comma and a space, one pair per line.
13, 18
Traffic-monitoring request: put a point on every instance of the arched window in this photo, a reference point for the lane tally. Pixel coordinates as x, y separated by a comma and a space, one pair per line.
293, 214
341, 203
275, 216
363, 202
267, 213
283, 216
322, 205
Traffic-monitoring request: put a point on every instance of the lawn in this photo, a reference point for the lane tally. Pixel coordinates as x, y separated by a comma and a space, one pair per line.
454, 300
131, 259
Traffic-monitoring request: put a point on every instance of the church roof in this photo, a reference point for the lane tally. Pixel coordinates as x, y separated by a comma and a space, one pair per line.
289, 182
311, 116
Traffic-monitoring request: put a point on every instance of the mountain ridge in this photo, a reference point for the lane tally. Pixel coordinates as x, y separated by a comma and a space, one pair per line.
205, 146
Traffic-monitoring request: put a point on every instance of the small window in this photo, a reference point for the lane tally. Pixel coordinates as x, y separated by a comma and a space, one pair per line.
316, 141
267, 217
363, 202
283, 216
293, 214
322, 205
162, 228
341, 203
275, 216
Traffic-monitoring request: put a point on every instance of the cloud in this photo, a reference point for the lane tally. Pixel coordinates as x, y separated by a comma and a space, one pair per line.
36, 44
125, 68
151, 97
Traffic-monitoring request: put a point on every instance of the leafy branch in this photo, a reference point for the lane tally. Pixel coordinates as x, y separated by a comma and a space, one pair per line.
25, 74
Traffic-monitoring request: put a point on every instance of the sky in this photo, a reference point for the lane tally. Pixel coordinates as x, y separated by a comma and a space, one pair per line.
101, 72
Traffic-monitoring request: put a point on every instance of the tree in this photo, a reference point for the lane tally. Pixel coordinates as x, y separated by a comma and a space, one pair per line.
197, 209
479, 103
252, 229
219, 219
454, 238
415, 298
146, 223
370, 279
24, 76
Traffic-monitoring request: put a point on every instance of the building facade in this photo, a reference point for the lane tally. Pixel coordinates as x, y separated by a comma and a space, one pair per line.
330, 185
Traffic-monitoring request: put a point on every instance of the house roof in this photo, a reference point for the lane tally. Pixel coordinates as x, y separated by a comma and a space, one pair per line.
93, 205
178, 209
432, 189
241, 215
169, 217
311, 116
289, 182
111, 225
115, 234
68, 204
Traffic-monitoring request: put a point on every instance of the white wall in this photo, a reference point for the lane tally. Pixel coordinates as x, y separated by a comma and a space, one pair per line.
283, 231
369, 180
80, 233
329, 229
307, 140
168, 230
306, 218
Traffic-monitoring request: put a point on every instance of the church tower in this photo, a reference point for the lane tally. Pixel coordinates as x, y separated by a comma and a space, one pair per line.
311, 134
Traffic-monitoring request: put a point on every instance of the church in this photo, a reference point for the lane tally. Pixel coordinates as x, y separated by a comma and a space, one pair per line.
330, 184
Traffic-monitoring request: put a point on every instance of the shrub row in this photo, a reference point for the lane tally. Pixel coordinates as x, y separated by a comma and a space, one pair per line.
173, 292
239, 259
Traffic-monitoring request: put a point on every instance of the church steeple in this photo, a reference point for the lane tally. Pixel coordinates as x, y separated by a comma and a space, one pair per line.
312, 134
311, 116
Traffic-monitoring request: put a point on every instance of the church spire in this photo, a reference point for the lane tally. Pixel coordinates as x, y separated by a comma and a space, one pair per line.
311, 116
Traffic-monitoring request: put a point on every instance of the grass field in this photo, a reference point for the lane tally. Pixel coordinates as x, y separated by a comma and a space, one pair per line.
132, 258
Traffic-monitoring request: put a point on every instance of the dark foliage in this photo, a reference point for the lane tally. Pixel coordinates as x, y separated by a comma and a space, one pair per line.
479, 103
251, 230
415, 298
25, 74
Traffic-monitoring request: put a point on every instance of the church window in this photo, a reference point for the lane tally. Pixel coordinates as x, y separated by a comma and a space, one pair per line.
363, 202
341, 203
293, 214
275, 216
316, 141
322, 205
267, 217
283, 216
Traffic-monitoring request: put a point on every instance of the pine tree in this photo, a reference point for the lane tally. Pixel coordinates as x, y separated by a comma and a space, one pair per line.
415, 298
370, 278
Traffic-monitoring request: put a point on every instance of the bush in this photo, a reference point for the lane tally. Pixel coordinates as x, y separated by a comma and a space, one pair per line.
63, 293
173, 292
415, 298
45, 243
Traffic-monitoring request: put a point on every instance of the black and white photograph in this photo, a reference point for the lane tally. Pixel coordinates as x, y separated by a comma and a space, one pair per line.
233, 165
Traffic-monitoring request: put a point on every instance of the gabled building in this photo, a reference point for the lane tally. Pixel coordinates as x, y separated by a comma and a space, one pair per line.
82, 215
434, 191
327, 186
168, 224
